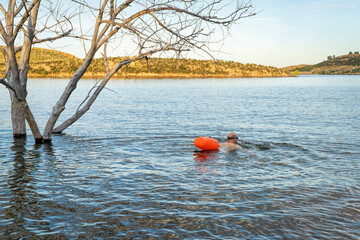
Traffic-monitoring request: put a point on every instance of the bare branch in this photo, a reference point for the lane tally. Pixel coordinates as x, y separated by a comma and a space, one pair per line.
17, 11
85, 5
2, 9
6, 84
97, 26
123, 6
23, 19
106, 59
3, 32
50, 39
121, 25
80, 112
9, 17
88, 95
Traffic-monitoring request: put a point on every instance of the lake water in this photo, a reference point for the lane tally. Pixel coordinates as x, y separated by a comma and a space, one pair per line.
129, 170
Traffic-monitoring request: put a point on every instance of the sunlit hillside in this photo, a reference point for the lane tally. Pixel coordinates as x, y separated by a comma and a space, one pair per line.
346, 64
46, 63
170, 67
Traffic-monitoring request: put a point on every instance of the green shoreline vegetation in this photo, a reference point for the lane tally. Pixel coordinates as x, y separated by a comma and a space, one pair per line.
46, 63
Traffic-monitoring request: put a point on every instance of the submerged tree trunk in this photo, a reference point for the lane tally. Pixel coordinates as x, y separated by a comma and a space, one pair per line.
88, 104
16, 71
17, 111
80, 112
17, 117
31, 121
60, 105
20, 111
19, 94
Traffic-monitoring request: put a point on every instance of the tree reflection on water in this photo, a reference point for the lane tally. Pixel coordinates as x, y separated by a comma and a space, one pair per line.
24, 213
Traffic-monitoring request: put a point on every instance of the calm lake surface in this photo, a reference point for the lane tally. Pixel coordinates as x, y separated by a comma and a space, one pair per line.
129, 170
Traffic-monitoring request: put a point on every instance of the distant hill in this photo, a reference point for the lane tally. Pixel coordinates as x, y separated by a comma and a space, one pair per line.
346, 64
294, 67
186, 68
46, 63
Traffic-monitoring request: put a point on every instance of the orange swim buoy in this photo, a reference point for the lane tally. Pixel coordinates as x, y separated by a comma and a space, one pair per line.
206, 143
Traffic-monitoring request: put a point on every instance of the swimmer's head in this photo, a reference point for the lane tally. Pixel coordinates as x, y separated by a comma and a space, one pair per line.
232, 136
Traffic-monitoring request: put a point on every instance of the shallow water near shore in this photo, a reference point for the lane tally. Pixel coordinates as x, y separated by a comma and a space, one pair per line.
129, 170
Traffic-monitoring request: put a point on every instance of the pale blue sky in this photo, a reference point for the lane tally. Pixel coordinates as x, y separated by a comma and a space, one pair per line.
287, 32
283, 33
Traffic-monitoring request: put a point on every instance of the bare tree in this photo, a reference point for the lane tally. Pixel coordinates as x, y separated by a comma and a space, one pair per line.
153, 27
18, 24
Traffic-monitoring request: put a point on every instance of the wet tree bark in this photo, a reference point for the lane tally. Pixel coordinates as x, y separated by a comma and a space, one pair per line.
17, 72
60, 104
17, 117
79, 113
88, 104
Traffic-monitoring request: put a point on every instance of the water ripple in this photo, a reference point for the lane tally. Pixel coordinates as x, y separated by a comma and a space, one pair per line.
132, 172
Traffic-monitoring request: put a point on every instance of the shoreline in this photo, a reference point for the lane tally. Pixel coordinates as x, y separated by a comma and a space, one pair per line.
179, 76
154, 76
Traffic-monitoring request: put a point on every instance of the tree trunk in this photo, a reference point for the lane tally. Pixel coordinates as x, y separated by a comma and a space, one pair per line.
17, 117
60, 104
31, 121
17, 73
18, 98
92, 99
20, 112
17, 112
84, 109
78, 114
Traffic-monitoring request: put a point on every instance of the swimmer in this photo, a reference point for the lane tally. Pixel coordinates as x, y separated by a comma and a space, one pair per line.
232, 143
